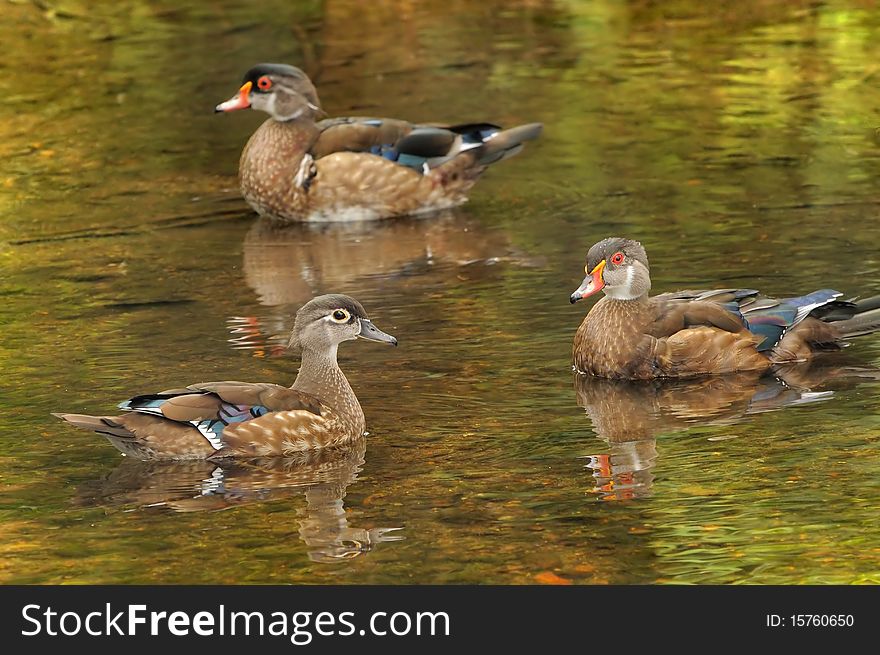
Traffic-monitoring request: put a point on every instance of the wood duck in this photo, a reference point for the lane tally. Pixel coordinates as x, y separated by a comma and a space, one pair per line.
229, 419
296, 169
629, 335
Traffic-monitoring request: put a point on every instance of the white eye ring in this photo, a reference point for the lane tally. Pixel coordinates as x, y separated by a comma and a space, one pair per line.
339, 316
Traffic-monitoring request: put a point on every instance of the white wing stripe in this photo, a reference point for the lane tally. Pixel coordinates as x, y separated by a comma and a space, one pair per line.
207, 433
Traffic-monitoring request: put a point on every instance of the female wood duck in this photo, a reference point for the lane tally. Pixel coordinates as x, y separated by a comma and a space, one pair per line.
628, 334
229, 419
296, 169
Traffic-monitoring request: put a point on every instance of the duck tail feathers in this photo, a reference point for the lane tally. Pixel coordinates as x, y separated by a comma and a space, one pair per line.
507, 143
106, 425
864, 322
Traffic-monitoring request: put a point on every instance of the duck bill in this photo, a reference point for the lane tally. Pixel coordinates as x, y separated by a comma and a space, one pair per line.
371, 333
241, 100
593, 283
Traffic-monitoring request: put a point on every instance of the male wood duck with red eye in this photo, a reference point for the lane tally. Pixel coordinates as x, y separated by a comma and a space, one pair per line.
296, 169
241, 419
629, 335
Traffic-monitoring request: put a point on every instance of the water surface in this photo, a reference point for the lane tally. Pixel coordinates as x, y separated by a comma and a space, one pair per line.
739, 145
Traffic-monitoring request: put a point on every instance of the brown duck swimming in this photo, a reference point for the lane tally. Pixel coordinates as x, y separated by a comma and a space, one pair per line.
296, 169
629, 335
229, 419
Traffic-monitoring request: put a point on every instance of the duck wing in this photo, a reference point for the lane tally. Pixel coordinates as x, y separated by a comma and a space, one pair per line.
213, 419
420, 147
680, 310
768, 318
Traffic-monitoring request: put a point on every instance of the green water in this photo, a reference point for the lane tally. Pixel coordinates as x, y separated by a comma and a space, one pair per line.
739, 145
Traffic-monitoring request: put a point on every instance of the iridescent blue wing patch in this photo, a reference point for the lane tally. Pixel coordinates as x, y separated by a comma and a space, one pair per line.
211, 428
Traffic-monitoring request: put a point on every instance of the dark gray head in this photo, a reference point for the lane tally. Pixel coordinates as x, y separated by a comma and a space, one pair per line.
326, 321
284, 92
618, 267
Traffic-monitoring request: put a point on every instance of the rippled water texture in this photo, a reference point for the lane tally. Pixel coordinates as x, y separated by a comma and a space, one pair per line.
739, 144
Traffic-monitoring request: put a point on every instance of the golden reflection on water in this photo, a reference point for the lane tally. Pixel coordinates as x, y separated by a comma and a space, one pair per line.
287, 266
630, 416
740, 142
198, 486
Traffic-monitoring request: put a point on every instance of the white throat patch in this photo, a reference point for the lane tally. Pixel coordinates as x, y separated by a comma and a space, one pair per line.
623, 291
270, 109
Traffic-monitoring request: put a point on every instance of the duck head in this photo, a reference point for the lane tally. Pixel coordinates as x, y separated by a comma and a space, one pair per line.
284, 92
618, 267
326, 321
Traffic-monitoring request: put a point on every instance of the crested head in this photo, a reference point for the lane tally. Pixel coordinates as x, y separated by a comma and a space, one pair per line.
284, 92
276, 70
321, 306
326, 321
606, 249
618, 267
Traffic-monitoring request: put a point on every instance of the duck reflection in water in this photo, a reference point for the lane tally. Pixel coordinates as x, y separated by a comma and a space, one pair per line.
629, 415
322, 476
288, 266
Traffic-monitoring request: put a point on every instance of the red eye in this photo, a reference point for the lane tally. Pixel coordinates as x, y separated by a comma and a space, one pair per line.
264, 83
617, 258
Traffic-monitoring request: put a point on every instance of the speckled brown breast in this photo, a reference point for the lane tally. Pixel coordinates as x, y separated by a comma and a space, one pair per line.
619, 339
268, 167
611, 342
343, 185
356, 186
290, 432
